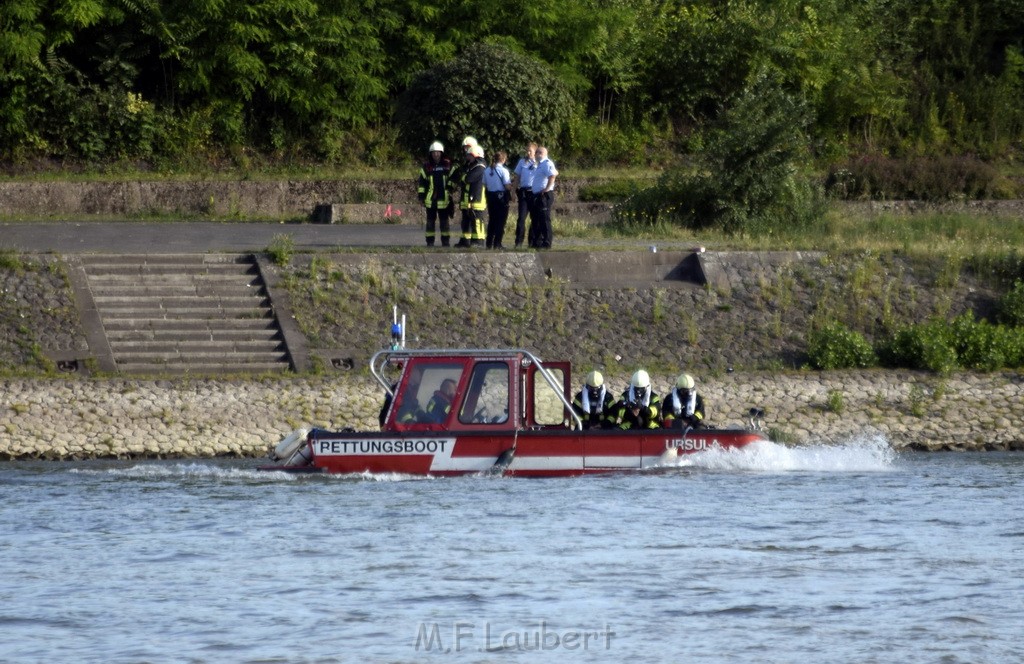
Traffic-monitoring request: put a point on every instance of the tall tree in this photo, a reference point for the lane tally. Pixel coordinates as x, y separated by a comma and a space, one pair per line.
502, 97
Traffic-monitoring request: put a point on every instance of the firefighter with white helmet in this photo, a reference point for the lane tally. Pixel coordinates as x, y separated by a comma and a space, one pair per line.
433, 192
594, 403
472, 201
683, 406
639, 407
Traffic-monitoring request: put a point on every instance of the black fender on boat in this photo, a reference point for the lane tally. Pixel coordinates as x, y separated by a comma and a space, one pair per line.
504, 459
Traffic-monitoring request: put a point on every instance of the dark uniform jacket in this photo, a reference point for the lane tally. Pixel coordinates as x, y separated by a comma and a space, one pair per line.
674, 411
633, 413
432, 186
472, 180
601, 410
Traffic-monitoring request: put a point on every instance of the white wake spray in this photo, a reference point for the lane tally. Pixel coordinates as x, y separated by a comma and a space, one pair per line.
862, 453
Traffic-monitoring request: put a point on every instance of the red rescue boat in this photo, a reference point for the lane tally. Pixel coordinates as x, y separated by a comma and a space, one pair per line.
509, 413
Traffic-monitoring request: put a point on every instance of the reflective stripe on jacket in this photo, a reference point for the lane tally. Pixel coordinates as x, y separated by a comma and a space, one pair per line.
432, 187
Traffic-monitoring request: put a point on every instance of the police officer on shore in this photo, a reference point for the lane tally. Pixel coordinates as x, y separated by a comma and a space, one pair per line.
498, 182
523, 179
543, 200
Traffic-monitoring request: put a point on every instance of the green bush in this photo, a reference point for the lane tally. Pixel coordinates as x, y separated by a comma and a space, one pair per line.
942, 346
982, 346
744, 179
834, 346
502, 97
1011, 305
978, 344
1011, 340
929, 346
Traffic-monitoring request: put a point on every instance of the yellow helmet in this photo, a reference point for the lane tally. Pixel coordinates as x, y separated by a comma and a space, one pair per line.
640, 380
595, 379
685, 382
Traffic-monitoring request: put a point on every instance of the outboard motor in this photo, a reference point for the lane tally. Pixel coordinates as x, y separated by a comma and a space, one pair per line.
756, 419
293, 449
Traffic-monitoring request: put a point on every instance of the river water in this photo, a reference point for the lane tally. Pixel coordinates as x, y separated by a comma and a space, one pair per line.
839, 553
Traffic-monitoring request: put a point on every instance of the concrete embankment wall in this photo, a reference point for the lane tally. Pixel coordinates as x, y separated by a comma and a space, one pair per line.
65, 419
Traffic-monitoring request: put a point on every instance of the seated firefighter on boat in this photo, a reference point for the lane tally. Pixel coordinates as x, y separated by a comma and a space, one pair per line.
638, 407
683, 407
594, 403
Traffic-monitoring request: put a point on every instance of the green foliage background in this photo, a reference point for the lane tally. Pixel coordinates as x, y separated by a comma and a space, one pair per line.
169, 81
501, 97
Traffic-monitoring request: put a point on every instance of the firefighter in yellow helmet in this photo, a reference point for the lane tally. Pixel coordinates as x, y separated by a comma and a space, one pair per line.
594, 403
683, 406
638, 407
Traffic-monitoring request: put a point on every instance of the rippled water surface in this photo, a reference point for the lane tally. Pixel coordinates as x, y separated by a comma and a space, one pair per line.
844, 553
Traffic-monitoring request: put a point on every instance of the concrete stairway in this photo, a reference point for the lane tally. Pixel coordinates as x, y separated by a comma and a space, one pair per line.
197, 314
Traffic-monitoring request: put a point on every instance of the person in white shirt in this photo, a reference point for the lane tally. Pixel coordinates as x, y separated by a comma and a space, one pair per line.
524, 189
543, 200
498, 182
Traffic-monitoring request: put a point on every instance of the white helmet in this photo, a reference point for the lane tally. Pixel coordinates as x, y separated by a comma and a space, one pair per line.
468, 142
476, 151
436, 147
595, 379
685, 382
640, 380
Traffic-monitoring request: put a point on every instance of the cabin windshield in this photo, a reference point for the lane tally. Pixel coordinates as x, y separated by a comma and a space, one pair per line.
428, 388
487, 396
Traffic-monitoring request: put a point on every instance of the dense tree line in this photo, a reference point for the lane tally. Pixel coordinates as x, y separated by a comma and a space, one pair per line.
325, 80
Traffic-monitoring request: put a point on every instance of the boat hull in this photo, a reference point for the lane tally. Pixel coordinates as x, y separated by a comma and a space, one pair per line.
524, 454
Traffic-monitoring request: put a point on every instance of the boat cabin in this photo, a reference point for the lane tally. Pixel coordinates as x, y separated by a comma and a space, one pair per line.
453, 390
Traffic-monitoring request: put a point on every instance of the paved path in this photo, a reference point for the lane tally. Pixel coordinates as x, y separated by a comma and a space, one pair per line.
129, 237
196, 237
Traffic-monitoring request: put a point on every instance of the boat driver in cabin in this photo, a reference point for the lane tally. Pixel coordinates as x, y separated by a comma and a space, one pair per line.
441, 403
683, 406
594, 403
638, 407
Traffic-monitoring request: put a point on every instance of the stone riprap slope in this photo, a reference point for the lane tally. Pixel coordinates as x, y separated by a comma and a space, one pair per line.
65, 419
38, 316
